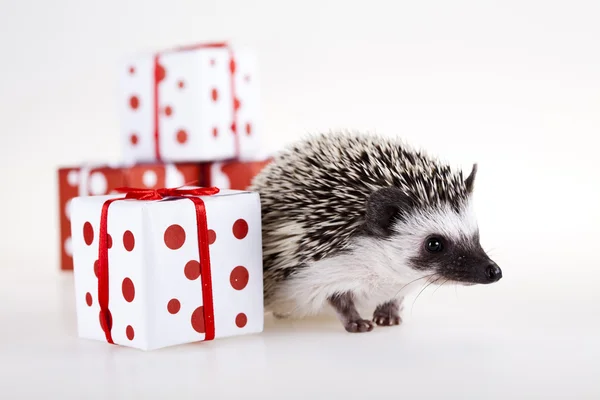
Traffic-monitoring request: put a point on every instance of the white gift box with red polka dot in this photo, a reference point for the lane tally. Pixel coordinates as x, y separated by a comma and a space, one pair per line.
154, 278
204, 109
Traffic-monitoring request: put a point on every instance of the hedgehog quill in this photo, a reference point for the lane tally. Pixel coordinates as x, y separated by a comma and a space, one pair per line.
353, 219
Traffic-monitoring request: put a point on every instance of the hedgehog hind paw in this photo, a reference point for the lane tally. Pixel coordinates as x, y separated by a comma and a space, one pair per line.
278, 315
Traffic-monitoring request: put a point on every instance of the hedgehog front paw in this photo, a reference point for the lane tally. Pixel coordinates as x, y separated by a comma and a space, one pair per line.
343, 303
387, 320
359, 325
387, 314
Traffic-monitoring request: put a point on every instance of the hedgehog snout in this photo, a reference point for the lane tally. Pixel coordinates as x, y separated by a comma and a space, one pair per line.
493, 273
486, 271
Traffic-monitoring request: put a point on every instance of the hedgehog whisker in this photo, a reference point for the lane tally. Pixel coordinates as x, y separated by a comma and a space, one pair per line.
490, 250
439, 286
413, 281
422, 290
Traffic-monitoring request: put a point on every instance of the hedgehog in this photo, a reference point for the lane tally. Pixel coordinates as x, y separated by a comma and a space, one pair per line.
354, 220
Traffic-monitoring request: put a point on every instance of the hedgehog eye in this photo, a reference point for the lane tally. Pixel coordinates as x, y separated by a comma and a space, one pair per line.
434, 245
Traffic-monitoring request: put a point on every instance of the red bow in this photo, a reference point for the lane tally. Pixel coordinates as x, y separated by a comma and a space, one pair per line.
158, 194
203, 251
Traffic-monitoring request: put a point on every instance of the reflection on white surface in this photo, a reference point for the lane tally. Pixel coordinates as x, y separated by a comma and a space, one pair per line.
493, 342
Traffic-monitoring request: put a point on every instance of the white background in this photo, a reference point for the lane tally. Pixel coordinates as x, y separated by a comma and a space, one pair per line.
513, 85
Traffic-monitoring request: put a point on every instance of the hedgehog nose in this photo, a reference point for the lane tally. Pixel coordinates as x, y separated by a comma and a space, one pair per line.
493, 273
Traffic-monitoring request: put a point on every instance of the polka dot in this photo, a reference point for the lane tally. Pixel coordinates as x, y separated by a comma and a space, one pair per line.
98, 184
97, 268
128, 240
192, 270
212, 236
134, 102
88, 299
236, 103
240, 228
233, 127
215, 131
241, 320
159, 73
168, 111
173, 306
131, 70
134, 139
104, 319
73, 178
68, 209
248, 128
174, 237
198, 320
130, 332
149, 178
173, 177
69, 247
128, 290
88, 233
232, 66
214, 94
219, 177
181, 84
239, 277
182, 136
109, 240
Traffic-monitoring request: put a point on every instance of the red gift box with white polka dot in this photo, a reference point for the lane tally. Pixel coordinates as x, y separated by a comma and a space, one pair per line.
99, 180
194, 104
232, 174
154, 273
85, 181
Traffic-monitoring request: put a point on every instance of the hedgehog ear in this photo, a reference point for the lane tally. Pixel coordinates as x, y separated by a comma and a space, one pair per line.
384, 207
470, 181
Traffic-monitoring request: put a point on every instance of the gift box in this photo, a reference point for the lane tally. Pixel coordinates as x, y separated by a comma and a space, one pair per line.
236, 175
103, 179
191, 104
99, 180
157, 268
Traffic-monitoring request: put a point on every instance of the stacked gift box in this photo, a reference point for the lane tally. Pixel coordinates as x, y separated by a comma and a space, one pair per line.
166, 245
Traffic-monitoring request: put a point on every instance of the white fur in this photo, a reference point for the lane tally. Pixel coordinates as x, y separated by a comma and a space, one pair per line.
444, 221
374, 270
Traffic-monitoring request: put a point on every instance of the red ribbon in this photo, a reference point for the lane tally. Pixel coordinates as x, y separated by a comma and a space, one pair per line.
204, 254
159, 75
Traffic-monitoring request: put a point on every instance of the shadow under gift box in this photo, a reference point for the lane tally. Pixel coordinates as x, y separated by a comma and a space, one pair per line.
154, 275
99, 180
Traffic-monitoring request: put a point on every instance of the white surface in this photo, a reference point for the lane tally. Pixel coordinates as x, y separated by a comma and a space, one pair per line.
514, 85
456, 345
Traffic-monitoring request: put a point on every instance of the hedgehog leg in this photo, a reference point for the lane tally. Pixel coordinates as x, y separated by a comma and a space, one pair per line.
280, 315
388, 313
343, 304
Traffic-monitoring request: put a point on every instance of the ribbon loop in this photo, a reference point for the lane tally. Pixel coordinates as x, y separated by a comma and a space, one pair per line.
158, 194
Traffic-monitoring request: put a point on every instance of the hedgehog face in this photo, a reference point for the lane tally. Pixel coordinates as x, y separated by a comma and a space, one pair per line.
455, 258
439, 240
445, 242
